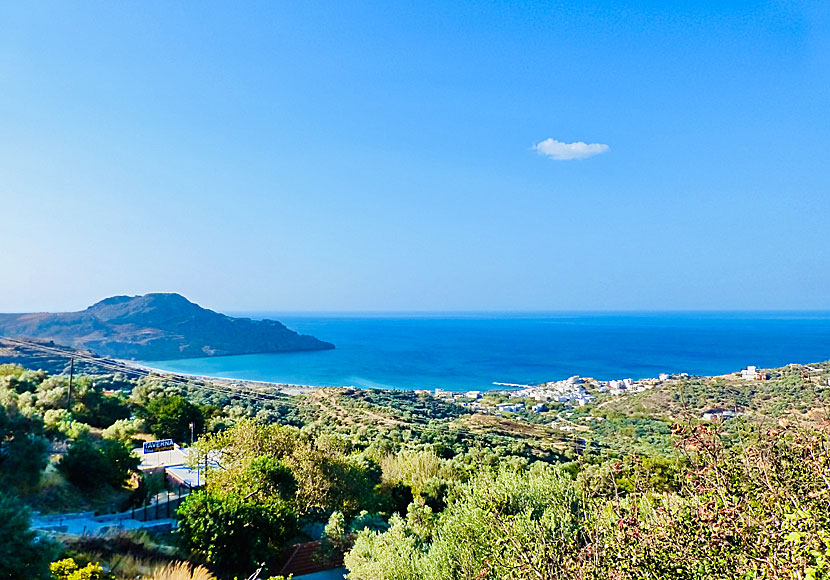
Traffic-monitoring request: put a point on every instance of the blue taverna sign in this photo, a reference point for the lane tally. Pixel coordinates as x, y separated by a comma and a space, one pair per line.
159, 445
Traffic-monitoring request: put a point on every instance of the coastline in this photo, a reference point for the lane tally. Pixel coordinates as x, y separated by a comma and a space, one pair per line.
298, 389
472, 353
490, 354
285, 388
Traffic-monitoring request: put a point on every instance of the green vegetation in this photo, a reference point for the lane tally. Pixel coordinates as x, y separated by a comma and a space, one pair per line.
759, 510
68, 569
234, 534
172, 418
408, 486
22, 553
22, 446
500, 524
88, 465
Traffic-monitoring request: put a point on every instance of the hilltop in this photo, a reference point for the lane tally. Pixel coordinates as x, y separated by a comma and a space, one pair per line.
157, 327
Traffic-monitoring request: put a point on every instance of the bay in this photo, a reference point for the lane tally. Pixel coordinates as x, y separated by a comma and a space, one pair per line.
474, 350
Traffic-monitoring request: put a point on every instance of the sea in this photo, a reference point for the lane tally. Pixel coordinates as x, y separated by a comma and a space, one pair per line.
475, 351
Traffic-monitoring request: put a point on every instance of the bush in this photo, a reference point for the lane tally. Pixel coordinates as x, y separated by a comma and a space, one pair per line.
68, 569
87, 466
22, 450
232, 534
22, 553
757, 511
508, 525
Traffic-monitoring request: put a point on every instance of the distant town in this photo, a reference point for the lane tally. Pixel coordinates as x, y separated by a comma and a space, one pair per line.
572, 392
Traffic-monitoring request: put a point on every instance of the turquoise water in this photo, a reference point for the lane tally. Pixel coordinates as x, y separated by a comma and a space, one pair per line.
460, 352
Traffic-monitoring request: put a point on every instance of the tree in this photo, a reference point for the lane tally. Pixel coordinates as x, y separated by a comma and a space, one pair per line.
334, 534
123, 430
269, 478
87, 466
61, 422
24, 380
98, 409
22, 450
122, 462
170, 418
326, 478
22, 553
234, 534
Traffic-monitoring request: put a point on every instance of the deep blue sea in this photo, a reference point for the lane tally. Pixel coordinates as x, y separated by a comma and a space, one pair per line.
472, 351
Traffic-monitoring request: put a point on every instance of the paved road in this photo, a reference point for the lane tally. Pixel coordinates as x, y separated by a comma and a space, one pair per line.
87, 523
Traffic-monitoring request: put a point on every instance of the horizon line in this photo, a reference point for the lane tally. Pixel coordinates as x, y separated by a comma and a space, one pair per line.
536, 311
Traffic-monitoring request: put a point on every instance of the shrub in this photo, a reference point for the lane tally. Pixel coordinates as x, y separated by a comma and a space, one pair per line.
755, 511
506, 525
87, 466
22, 553
68, 569
231, 533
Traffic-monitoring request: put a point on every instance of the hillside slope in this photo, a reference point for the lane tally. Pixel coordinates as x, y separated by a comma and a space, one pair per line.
157, 327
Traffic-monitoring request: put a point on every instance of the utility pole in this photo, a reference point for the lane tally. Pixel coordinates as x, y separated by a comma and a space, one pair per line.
71, 372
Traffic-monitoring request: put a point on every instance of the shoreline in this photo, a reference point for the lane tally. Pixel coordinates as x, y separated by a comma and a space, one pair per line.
298, 389
493, 354
293, 389
281, 387
497, 387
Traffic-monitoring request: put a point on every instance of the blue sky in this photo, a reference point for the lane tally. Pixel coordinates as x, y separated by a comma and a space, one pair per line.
380, 156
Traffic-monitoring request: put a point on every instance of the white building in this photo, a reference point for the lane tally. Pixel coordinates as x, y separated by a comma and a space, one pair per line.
717, 415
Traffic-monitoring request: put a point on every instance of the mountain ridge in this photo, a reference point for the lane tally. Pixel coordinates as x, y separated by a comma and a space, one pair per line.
157, 326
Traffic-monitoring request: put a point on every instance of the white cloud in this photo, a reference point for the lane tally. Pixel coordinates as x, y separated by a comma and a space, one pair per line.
567, 151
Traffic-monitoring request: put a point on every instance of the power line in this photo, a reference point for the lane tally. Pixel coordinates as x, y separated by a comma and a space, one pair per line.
124, 368
71, 373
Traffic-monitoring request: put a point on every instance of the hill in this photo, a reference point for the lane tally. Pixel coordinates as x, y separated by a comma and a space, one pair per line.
35, 354
157, 327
